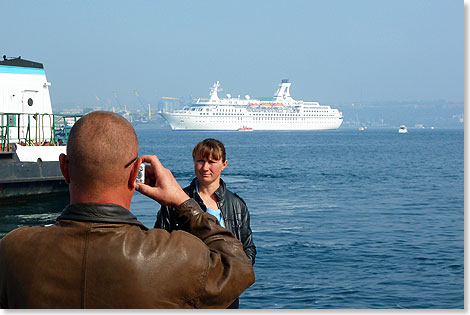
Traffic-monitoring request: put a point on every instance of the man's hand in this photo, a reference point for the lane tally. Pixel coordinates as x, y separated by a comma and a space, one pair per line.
160, 185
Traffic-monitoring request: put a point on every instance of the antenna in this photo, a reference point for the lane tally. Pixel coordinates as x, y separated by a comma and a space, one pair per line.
117, 100
213, 94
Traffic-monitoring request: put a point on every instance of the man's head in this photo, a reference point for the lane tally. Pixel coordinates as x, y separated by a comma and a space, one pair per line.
100, 147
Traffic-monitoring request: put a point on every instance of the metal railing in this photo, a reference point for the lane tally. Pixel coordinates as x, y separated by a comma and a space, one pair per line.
34, 129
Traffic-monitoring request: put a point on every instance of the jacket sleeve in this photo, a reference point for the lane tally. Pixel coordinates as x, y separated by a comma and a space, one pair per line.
3, 284
229, 271
246, 235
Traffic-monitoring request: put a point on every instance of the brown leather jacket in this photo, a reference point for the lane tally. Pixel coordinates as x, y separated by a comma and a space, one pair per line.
101, 256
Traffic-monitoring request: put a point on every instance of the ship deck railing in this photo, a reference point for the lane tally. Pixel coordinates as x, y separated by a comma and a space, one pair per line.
34, 129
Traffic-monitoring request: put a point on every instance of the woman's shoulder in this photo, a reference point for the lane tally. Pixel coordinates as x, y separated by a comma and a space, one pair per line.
191, 188
234, 196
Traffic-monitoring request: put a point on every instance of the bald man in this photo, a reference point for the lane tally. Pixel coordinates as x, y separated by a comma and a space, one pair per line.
98, 255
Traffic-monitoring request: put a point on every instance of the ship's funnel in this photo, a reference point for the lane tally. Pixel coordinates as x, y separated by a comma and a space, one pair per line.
283, 92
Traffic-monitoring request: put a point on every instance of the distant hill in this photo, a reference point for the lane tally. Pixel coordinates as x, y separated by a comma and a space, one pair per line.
391, 114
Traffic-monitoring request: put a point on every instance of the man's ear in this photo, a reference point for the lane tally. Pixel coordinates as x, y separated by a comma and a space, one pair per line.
134, 173
64, 167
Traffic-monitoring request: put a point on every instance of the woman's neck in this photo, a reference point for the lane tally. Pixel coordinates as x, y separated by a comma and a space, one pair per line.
208, 191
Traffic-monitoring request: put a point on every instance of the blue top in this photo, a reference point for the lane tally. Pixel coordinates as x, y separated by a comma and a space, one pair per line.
215, 212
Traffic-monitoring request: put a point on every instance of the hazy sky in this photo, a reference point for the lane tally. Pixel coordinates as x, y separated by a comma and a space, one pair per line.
335, 52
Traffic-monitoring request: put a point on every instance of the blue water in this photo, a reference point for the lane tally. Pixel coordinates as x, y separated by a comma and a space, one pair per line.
341, 219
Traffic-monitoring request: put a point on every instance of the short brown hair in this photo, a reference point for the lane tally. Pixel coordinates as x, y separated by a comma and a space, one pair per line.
209, 148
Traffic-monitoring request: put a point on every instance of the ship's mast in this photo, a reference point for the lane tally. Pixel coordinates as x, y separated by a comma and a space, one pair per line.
213, 95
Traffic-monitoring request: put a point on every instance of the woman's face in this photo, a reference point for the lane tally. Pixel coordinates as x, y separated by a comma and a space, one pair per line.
208, 170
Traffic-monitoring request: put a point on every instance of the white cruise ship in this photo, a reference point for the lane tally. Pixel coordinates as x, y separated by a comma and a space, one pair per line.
281, 112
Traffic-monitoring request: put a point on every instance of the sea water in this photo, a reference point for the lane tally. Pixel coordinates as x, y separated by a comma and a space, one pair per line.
341, 219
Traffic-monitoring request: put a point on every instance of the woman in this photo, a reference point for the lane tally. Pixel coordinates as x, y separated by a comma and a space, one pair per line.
209, 190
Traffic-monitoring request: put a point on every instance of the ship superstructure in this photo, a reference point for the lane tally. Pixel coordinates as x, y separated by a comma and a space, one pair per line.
281, 112
31, 136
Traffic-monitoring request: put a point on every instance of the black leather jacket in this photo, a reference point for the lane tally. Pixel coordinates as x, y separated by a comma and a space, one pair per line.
233, 209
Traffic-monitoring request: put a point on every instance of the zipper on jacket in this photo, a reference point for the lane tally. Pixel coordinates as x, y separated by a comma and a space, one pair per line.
222, 214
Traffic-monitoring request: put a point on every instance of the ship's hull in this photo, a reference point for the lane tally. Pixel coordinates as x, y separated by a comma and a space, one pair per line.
31, 171
194, 122
23, 180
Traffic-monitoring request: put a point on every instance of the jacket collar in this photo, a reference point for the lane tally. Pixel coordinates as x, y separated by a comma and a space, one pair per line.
220, 192
99, 212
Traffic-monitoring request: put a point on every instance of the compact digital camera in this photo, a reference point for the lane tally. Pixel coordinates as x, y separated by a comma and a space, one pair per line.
141, 174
